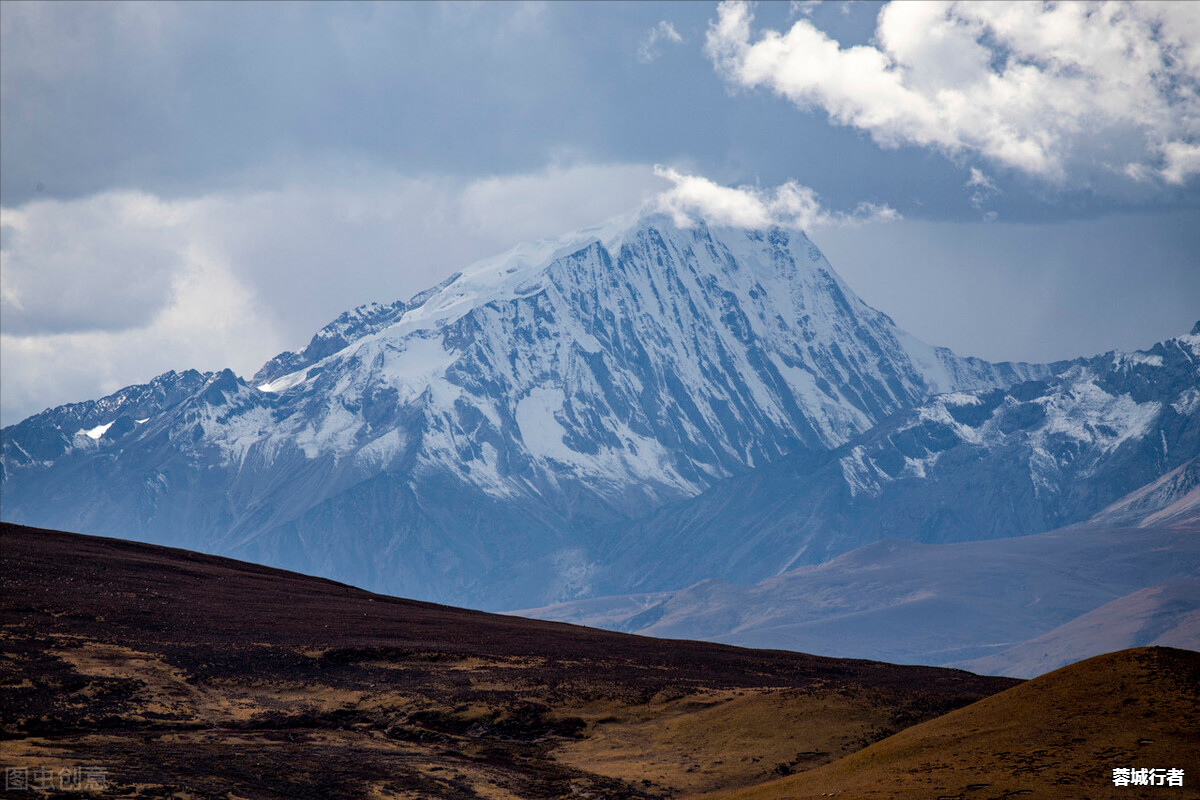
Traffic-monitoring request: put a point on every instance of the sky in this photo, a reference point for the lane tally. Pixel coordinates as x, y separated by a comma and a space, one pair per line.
203, 185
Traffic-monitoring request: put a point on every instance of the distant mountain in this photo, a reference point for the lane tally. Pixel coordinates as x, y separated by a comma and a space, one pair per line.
1020, 606
41, 440
962, 466
1167, 615
479, 442
984, 606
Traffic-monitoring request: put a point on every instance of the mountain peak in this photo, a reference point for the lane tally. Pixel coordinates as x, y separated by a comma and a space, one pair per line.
520, 271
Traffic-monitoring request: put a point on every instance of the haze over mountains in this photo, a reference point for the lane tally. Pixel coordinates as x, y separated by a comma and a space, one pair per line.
629, 408
1018, 606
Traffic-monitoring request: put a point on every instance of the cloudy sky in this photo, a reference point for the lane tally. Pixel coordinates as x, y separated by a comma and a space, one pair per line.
204, 185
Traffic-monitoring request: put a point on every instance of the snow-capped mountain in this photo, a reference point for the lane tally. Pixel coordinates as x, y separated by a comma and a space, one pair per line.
962, 466
473, 443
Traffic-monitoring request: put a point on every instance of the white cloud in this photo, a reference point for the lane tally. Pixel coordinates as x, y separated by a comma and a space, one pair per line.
1182, 161
516, 208
1060, 91
649, 49
790, 205
980, 180
209, 319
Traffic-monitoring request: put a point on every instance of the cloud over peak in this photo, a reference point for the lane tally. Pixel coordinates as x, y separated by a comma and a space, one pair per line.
789, 205
1060, 91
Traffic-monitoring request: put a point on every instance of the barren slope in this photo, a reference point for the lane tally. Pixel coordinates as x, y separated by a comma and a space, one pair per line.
187, 675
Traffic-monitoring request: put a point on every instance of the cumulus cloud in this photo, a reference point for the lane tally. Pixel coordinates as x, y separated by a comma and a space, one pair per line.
649, 47
790, 205
1058, 91
1181, 161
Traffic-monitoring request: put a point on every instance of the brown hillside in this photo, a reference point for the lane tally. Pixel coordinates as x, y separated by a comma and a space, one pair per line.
1058, 736
185, 675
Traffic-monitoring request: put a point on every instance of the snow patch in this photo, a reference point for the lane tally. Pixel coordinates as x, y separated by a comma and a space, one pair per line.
1127, 360
575, 573
377, 454
1187, 403
282, 384
1089, 414
860, 474
96, 432
540, 429
915, 467
835, 419
960, 399
925, 359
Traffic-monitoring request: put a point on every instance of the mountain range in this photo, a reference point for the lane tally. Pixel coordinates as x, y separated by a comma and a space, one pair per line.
633, 407
962, 466
1018, 606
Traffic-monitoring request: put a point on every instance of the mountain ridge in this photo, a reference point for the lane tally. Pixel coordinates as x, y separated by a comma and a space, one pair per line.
1035, 456
506, 415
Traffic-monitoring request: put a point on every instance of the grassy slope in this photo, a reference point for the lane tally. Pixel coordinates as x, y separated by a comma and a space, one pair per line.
194, 676
1056, 736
